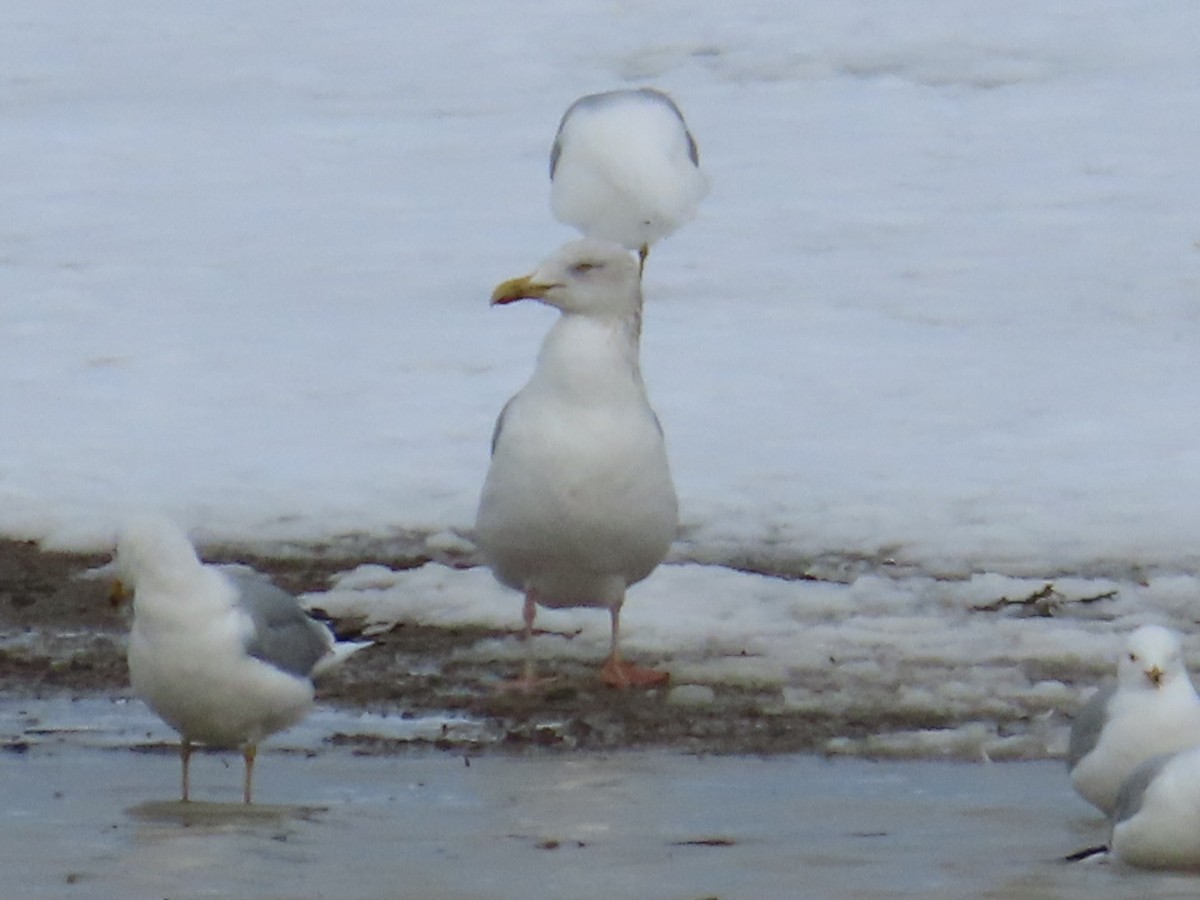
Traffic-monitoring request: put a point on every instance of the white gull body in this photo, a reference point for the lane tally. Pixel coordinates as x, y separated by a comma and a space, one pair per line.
1156, 819
219, 653
1152, 709
624, 167
578, 503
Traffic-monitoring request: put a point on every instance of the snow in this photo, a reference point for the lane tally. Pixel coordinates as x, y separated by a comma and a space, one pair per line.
939, 312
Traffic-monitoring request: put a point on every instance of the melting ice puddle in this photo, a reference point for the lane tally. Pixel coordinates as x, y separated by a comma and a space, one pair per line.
551, 826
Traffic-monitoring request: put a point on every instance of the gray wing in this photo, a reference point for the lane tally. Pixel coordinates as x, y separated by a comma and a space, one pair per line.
581, 103
284, 636
1133, 789
499, 426
1089, 722
658, 424
592, 100
556, 147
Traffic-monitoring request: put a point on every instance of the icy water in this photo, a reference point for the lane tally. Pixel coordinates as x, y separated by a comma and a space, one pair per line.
88, 814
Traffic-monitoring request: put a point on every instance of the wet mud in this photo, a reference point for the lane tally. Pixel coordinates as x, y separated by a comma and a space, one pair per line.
59, 636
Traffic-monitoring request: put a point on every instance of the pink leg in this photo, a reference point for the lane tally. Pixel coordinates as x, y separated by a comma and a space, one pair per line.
248, 754
618, 673
528, 615
527, 682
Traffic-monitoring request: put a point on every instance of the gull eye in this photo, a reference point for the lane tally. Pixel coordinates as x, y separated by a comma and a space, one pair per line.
582, 268
1133, 657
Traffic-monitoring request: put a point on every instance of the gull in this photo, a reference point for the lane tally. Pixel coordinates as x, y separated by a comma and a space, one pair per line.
578, 503
625, 167
1152, 709
1156, 818
217, 652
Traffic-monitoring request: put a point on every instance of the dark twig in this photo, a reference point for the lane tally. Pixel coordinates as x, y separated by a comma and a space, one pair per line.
1046, 601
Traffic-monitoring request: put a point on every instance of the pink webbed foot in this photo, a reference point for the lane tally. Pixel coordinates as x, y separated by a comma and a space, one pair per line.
620, 674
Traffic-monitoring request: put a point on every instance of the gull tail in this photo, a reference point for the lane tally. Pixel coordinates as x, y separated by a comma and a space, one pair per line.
338, 652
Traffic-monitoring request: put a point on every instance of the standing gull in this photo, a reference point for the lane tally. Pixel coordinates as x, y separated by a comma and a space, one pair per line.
219, 653
1156, 820
624, 167
1152, 709
578, 503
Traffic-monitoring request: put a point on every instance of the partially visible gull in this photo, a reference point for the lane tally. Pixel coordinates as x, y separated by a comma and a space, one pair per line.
1152, 709
624, 167
1156, 819
578, 503
218, 652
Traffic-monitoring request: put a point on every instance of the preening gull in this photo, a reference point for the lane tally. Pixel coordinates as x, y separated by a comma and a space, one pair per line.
624, 167
218, 652
1152, 709
1156, 819
578, 503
